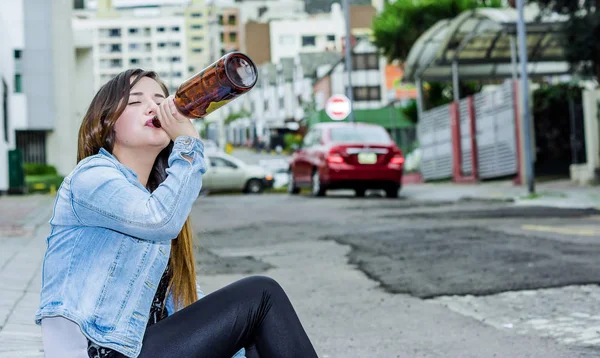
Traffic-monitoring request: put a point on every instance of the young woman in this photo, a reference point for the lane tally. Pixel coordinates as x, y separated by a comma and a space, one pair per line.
118, 277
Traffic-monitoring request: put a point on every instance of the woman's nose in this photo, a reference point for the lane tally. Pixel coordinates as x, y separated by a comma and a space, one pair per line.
152, 108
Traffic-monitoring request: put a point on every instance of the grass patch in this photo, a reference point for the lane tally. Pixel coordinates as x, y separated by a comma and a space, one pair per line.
544, 195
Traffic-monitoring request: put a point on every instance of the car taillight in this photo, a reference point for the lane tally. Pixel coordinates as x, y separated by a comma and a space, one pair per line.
397, 159
335, 158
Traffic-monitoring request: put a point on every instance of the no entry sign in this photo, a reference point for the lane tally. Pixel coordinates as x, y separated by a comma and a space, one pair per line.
338, 107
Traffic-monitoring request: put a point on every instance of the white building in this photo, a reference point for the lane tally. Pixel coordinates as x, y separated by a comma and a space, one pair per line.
317, 33
149, 38
368, 78
37, 60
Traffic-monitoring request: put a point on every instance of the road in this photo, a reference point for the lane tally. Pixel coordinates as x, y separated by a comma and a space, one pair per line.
379, 277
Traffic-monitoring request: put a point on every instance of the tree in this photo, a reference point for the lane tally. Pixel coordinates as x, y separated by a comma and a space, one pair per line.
401, 24
580, 34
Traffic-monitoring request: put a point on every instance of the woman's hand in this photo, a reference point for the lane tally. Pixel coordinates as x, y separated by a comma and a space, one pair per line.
173, 122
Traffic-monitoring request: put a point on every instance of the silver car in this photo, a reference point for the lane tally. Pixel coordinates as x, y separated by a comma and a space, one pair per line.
228, 173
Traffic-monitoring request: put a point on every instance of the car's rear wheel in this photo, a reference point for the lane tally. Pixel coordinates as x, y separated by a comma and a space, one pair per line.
360, 192
317, 187
254, 186
292, 188
392, 192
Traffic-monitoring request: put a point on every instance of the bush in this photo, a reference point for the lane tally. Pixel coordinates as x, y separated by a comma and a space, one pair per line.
292, 141
43, 183
39, 169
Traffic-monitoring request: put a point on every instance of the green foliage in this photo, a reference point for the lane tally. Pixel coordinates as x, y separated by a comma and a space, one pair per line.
292, 141
410, 111
401, 23
38, 169
581, 31
236, 115
43, 183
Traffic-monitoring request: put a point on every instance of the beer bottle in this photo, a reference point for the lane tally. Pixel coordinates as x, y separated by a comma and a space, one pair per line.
228, 78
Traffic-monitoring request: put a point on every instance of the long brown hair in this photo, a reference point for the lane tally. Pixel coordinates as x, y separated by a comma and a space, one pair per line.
97, 131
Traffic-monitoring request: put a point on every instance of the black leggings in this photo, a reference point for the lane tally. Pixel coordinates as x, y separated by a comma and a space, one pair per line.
254, 313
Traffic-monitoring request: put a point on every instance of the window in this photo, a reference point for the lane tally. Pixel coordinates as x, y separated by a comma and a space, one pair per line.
197, 38
176, 59
365, 61
161, 44
330, 37
352, 134
5, 109
197, 50
133, 46
231, 20
175, 44
134, 61
220, 19
115, 48
114, 32
372, 61
309, 41
17, 54
191, 69
196, 14
217, 162
367, 93
133, 31
160, 29
197, 27
175, 29
222, 35
232, 37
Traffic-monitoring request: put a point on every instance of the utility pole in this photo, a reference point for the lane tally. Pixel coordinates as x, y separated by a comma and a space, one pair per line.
526, 122
348, 58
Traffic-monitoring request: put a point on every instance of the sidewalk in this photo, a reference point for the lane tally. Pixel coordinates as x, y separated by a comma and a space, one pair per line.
560, 193
22, 245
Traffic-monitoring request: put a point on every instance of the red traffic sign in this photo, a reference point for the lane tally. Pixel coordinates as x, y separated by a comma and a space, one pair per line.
338, 107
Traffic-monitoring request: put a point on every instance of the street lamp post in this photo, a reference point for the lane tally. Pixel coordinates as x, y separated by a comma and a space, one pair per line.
348, 57
521, 33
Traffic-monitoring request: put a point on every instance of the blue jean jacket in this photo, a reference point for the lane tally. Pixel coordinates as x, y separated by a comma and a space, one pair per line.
110, 242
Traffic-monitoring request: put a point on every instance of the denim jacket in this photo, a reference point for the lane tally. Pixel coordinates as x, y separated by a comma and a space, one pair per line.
110, 242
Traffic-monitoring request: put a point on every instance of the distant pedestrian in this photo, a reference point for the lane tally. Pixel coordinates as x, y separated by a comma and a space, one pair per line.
118, 276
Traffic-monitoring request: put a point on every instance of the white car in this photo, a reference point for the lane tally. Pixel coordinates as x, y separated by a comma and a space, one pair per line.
228, 173
280, 169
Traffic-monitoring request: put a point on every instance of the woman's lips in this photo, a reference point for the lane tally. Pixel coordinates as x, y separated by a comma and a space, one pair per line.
154, 122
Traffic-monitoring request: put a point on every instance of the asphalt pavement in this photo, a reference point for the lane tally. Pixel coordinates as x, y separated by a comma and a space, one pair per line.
377, 277
373, 277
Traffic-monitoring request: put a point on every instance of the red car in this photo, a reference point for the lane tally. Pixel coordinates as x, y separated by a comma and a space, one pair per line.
355, 156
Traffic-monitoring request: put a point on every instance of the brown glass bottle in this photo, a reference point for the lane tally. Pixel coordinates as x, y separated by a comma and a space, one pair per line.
228, 78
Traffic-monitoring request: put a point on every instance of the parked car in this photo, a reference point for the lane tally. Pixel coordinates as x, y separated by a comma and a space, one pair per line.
279, 168
228, 173
210, 145
355, 156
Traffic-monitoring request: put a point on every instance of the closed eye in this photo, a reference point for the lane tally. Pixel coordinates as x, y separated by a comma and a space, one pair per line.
135, 102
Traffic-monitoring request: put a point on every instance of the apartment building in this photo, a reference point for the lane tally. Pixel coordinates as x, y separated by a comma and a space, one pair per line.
196, 28
367, 76
38, 85
145, 37
316, 33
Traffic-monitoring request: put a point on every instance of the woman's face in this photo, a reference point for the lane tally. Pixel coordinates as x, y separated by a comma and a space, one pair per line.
134, 129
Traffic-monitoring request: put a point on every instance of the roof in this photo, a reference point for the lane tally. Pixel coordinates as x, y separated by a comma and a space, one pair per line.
480, 42
287, 68
310, 61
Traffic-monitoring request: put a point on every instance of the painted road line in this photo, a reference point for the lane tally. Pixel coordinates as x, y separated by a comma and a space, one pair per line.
565, 230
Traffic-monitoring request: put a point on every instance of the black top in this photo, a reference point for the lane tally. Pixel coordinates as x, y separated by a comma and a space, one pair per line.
157, 313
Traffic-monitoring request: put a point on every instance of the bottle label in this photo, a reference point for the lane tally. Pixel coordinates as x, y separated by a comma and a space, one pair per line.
213, 106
